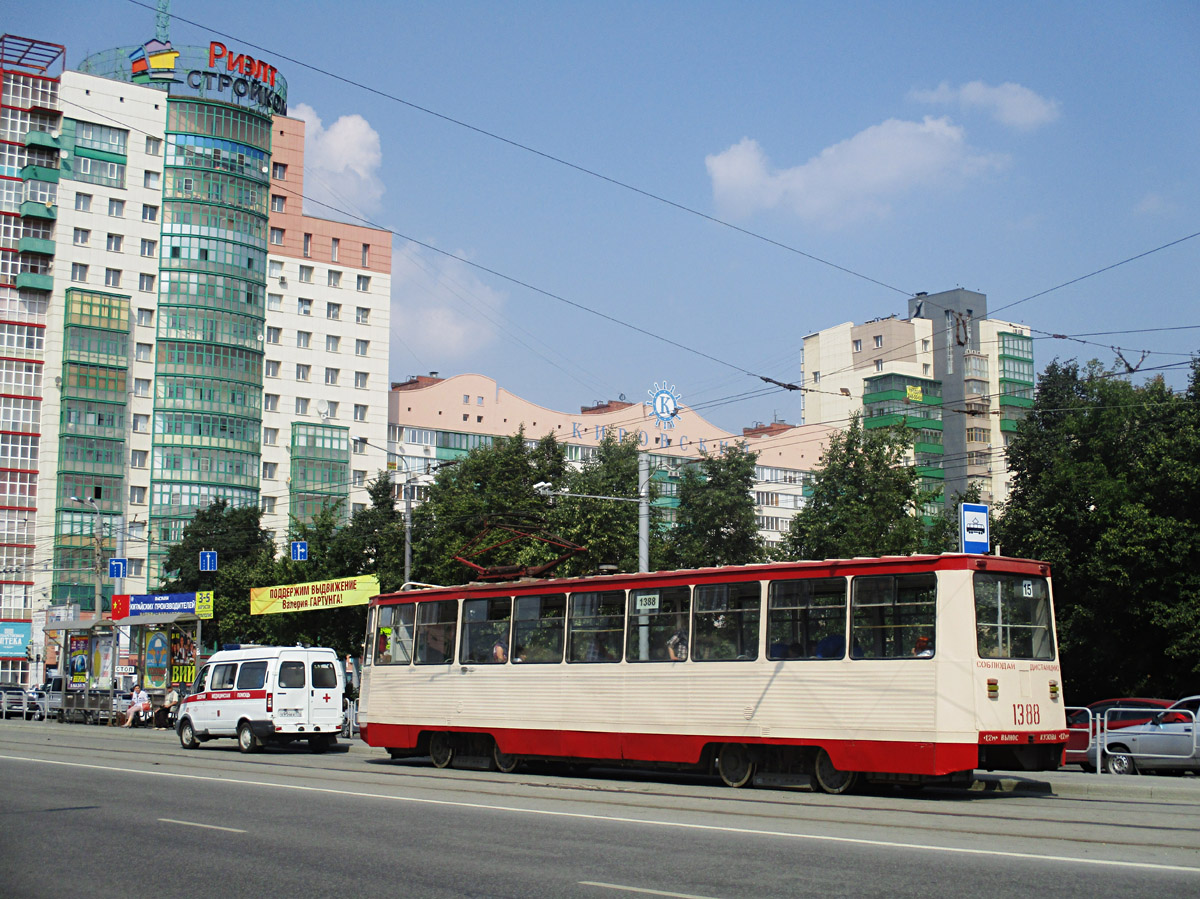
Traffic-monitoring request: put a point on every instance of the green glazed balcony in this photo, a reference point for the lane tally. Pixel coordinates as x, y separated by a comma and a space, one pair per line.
38, 209
39, 173
32, 281
35, 245
42, 139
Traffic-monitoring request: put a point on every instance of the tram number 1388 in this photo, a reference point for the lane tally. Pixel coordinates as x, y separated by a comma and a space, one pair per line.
1026, 713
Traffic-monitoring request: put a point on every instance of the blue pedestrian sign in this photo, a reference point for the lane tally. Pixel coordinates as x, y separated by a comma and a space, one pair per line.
208, 560
117, 567
974, 535
299, 550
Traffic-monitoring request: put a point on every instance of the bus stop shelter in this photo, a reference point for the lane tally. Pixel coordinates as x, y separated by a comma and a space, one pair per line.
86, 662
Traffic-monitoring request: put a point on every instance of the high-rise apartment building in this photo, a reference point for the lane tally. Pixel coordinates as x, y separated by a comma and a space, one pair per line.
178, 330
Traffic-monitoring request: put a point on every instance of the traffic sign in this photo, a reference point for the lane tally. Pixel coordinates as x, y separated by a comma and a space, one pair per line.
973, 532
299, 550
117, 567
208, 560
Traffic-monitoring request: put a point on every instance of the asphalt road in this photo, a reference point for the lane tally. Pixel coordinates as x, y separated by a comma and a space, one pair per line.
93, 811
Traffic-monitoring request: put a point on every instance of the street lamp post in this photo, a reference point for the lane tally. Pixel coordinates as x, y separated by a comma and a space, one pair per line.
98, 598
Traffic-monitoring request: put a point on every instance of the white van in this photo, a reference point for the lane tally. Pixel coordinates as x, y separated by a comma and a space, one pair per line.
265, 694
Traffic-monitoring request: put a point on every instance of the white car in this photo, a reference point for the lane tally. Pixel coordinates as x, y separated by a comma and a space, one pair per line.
1167, 743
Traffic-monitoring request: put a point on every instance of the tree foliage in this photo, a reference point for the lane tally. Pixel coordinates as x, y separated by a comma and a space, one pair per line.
1106, 488
715, 522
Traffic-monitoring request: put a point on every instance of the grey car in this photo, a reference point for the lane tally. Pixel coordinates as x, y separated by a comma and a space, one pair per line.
1167, 743
15, 702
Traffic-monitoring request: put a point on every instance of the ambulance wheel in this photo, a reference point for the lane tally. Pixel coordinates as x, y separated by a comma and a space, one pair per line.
828, 778
441, 751
735, 765
247, 742
320, 743
504, 762
187, 735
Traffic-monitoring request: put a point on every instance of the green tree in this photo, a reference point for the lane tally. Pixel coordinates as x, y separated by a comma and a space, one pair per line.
715, 522
865, 500
1106, 488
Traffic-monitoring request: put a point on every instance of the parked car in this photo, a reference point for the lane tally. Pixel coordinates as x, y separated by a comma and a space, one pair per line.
15, 703
1125, 712
1166, 743
48, 698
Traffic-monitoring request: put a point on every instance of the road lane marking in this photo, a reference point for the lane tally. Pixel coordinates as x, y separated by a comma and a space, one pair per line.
618, 819
644, 890
198, 824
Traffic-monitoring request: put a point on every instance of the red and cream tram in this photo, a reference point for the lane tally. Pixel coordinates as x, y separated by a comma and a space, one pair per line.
901, 669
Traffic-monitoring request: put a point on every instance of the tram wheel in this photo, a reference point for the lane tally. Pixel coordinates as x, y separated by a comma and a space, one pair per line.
735, 765
828, 778
505, 763
441, 751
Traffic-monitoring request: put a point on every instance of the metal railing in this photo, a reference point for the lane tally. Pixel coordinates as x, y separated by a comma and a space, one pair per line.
1101, 736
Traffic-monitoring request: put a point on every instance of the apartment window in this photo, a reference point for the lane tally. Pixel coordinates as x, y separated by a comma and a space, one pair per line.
275, 269
360, 412
301, 405
333, 249
141, 386
332, 375
143, 352
359, 446
115, 243
137, 459
355, 508
303, 338
279, 171
268, 505
816, 377
335, 278
878, 341
149, 213
83, 202
145, 317
333, 310
269, 470
112, 277
360, 477
274, 301
149, 247
360, 380
137, 495
363, 283
304, 307
278, 203
270, 436
925, 368
332, 343
116, 208
858, 346
306, 273
270, 402
78, 271
362, 315
82, 236
366, 255
925, 345
145, 282
361, 347
141, 423
302, 371
151, 180
273, 335
277, 236
153, 146
878, 365
331, 409
271, 368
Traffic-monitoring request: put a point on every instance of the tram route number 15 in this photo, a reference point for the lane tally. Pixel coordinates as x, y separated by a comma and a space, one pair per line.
1026, 713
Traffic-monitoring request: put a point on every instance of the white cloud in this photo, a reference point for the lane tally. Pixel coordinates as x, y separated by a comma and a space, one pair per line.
341, 164
441, 312
851, 180
1009, 103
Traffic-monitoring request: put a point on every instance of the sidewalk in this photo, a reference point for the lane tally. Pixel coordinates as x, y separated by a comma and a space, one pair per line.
1075, 784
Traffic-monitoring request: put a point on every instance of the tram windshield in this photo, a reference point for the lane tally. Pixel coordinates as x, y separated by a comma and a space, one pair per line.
1012, 617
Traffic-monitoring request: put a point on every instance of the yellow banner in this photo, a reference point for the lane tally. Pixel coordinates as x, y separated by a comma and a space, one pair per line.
915, 393
350, 591
204, 604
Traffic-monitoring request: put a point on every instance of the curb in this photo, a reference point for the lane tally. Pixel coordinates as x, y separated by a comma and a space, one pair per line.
1093, 786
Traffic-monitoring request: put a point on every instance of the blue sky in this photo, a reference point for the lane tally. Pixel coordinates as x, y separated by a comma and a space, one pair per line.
1005, 148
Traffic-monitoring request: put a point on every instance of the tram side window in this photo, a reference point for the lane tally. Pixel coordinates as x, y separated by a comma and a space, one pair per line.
393, 635
436, 624
806, 619
726, 622
1012, 617
658, 620
893, 616
596, 626
538, 627
485, 630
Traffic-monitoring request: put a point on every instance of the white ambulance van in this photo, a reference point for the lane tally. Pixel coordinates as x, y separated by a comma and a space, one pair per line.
265, 694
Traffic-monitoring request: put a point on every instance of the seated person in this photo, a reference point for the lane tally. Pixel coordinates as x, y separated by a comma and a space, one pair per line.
140, 702
500, 651
923, 648
832, 646
677, 646
164, 713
